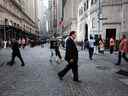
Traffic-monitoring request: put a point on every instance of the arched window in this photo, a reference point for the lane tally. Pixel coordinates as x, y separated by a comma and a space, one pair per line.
93, 2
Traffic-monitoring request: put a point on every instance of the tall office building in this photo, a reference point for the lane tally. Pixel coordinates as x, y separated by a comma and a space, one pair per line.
18, 18
70, 10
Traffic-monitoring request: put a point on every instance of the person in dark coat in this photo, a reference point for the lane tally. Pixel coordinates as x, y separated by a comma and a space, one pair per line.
16, 52
91, 47
57, 51
123, 49
71, 56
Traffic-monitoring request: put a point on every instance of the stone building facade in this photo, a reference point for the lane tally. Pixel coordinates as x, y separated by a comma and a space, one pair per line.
62, 16
43, 18
18, 18
107, 18
55, 16
70, 15
51, 16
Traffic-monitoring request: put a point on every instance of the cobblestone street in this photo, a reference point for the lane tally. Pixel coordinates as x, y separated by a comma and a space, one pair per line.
39, 76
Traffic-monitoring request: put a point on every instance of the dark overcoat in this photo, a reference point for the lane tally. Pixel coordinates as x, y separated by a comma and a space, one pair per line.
71, 51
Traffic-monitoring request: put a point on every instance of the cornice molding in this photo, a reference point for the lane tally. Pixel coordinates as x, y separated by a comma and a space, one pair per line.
18, 17
112, 23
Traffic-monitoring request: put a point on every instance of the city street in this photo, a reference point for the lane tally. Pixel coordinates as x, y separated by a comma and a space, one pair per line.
39, 76
100, 24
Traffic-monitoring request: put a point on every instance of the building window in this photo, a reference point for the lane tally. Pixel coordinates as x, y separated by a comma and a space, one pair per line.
93, 2
6, 21
81, 11
14, 24
86, 5
93, 22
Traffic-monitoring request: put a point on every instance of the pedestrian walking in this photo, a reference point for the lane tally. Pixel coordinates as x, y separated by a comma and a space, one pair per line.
23, 43
16, 52
96, 45
82, 45
5, 43
71, 56
101, 45
91, 47
52, 47
19, 41
111, 45
57, 51
0, 43
9, 43
85, 46
123, 49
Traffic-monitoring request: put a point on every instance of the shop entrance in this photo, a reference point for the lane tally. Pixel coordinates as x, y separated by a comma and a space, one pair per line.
110, 33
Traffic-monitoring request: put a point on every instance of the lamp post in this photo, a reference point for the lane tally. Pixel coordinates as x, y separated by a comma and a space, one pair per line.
99, 16
5, 31
99, 11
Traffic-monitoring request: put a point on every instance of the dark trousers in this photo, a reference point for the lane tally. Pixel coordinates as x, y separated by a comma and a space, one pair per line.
91, 51
111, 49
74, 68
16, 55
120, 55
58, 53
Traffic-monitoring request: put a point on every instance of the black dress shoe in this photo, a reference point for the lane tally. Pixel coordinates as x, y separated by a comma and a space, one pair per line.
78, 81
117, 64
22, 65
59, 77
9, 63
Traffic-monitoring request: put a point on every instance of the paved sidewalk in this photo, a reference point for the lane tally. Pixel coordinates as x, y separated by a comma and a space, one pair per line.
39, 76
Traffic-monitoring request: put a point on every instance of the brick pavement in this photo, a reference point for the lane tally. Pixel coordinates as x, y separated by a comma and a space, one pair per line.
38, 77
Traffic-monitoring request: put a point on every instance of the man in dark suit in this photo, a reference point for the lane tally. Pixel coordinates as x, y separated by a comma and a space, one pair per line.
71, 56
15, 52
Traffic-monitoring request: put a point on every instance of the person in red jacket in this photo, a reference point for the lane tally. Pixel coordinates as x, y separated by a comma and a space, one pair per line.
111, 45
123, 49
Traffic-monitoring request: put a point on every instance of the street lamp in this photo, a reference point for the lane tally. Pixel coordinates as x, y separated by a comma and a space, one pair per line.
99, 11
99, 16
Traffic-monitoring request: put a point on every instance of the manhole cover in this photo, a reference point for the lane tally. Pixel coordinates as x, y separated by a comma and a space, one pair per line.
102, 68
